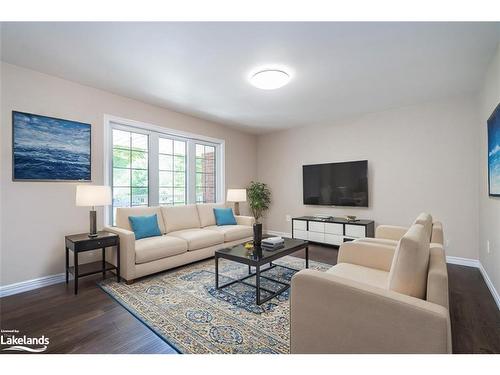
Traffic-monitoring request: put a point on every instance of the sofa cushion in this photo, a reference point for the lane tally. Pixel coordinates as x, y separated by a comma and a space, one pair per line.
199, 238
365, 275
122, 214
233, 232
153, 248
410, 264
180, 217
206, 213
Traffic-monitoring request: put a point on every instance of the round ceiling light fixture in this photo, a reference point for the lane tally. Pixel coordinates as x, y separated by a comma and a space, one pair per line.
270, 79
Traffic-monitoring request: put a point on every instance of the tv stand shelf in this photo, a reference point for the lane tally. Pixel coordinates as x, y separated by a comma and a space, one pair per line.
332, 231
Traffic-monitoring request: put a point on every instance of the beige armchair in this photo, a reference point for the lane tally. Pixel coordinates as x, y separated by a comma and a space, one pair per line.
391, 234
377, 299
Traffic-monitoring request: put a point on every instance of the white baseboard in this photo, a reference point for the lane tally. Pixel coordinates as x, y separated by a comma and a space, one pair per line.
463, 261
477, 264
24, 286
490, 285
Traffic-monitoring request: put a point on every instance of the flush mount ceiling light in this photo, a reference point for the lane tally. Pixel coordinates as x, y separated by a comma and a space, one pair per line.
270, 79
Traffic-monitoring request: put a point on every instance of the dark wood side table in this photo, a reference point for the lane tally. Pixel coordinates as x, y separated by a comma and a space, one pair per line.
82, 242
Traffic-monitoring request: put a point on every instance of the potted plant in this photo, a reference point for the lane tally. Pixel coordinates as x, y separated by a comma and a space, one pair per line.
259, 199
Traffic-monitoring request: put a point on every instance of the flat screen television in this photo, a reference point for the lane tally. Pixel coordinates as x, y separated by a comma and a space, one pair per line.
336, 184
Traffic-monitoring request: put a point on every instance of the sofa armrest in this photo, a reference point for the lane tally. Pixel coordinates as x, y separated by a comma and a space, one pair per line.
245, 220
390, 232
127, 251
330, 314
367, 254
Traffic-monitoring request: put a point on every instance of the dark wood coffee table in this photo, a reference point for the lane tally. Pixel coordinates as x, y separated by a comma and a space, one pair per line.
258, 257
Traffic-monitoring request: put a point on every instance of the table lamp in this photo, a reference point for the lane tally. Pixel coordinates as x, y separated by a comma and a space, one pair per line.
236, 196
92, 196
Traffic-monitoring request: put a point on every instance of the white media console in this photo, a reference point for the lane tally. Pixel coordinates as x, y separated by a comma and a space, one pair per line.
332, 231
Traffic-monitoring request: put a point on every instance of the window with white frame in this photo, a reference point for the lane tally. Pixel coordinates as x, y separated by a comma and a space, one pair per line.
150, 166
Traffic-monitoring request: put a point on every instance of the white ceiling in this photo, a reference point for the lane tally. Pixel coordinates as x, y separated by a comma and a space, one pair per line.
339, 69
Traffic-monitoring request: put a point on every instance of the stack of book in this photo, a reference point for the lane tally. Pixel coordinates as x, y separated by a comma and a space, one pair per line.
272, 243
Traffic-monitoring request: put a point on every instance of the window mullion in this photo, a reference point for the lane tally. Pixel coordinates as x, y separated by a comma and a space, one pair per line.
130, 167
154, 170
219, 174
191, 171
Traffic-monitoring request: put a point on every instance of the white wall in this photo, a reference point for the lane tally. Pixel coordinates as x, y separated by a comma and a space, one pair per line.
37, 215
489, 207
421, 158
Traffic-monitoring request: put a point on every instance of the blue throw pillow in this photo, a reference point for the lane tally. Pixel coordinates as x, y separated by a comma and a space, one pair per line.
224, 216
144, 226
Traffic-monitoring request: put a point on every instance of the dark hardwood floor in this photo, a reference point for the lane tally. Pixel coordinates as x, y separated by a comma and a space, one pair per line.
92, 322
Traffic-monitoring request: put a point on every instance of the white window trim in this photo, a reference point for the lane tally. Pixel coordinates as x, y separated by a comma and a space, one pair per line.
115, 122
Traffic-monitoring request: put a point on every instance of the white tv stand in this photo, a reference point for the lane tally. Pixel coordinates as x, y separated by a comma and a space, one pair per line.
333, 231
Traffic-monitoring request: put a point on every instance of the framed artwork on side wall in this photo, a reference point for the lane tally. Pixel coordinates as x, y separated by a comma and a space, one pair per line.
50, 149
494, 153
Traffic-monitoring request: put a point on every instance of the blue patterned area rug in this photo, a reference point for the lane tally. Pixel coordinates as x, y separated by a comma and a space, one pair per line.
183, 307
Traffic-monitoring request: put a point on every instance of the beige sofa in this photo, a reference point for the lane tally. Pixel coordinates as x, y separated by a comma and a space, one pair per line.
189, 234
377, 299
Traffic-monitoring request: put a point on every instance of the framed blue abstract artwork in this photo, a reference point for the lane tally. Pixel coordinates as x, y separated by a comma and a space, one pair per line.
50, 149
494, 153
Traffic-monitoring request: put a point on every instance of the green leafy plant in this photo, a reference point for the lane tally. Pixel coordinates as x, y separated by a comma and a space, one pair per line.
259, 199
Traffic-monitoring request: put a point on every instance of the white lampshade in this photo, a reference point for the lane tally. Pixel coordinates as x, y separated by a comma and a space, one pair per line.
93, 195
236, 195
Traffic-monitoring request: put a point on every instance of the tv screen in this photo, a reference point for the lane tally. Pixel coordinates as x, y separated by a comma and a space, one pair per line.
336, 184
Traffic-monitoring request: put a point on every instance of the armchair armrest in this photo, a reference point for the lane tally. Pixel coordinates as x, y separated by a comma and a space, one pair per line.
330, 314
390, 232
437, 276
367, 254
244, 220
127, 251
437, 233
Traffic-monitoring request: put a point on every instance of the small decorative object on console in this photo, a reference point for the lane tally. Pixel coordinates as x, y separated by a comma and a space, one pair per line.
323, 216
350, 218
